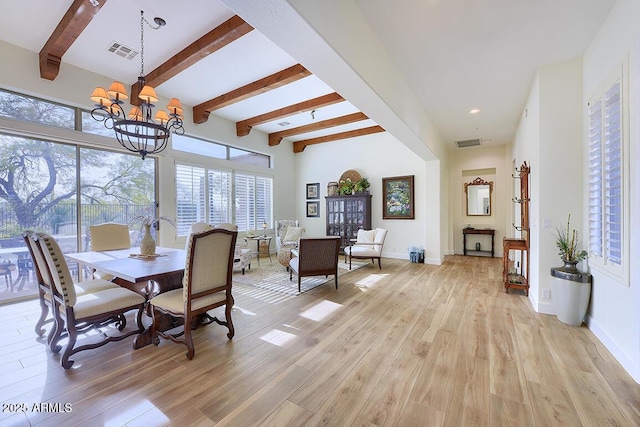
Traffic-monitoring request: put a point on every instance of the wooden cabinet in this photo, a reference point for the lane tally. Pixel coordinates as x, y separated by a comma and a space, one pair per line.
518, 277
346, 215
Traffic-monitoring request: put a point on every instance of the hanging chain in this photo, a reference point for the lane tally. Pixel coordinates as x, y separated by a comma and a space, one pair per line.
142, 22
142, 43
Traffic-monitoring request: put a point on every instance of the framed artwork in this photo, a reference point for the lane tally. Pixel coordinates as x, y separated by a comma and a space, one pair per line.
313, 209
313, 191
397, 197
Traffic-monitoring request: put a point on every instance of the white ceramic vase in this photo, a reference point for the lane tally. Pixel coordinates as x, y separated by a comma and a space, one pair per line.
148, 243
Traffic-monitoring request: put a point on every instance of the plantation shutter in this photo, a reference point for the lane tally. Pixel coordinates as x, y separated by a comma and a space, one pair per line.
219, 205
244, 197
613, 175
595, 177
190, 197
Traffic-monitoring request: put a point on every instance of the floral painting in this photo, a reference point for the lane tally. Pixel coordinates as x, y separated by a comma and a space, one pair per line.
397, 197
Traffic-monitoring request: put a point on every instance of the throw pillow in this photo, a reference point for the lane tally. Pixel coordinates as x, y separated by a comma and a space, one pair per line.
293, 234
282, 232
366, 236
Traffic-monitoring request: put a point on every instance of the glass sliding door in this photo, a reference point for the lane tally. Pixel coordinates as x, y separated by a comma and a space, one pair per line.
115, 187
39, 186
38, 192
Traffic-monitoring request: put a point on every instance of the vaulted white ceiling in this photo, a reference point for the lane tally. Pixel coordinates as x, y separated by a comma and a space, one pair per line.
452, 55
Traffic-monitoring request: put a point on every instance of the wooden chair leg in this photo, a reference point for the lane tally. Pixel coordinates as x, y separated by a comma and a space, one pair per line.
68, 351
44, 311
227, 315
188, 339
55, 333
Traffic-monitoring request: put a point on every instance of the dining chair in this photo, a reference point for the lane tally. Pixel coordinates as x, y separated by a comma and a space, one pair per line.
44, 283
315, 256
108, 236
76, 314
206, 285
367, 245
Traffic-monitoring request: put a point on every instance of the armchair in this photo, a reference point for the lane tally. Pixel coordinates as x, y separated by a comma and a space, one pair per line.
288, 234
367, 245
315, 257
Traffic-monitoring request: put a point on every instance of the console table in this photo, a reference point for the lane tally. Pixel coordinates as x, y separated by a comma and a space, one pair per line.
487, 231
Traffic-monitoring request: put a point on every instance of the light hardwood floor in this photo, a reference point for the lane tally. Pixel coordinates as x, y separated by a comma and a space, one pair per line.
410, 345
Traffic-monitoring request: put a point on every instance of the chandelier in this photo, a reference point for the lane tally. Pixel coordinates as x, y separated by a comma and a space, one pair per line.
137, 131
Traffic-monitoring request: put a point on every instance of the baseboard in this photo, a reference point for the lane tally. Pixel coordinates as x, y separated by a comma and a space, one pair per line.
624, 360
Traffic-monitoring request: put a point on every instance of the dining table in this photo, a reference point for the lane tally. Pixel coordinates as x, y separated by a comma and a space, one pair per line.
144, 274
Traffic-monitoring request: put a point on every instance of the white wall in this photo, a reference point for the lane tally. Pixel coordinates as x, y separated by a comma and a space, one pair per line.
551, 136
613, 314
549, 139
376, 156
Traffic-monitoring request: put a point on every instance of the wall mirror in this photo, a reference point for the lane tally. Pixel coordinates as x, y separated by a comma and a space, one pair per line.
478, 198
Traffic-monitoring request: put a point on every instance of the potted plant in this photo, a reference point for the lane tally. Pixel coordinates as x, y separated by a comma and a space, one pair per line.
346, 186
571, 288
362, 185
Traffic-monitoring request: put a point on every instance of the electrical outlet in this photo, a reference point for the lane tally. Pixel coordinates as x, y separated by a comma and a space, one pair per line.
546, 294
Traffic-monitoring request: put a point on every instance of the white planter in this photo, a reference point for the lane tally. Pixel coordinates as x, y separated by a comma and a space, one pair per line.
571, 291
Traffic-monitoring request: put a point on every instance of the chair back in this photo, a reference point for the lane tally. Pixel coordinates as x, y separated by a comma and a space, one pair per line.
60, 274
227, 226
109, 236
42, 269
381, 234
196, 227
318, 254
209, 263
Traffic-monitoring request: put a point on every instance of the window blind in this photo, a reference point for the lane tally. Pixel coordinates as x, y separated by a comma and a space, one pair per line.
613, 175
595, 177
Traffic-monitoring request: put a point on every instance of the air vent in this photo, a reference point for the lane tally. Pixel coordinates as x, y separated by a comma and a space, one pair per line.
283, 124
121, 50
468, 143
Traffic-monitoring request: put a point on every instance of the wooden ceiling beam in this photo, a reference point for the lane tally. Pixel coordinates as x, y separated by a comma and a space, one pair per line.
276, 137
244, 127
74, 21
299, 146
227, 32
274, 81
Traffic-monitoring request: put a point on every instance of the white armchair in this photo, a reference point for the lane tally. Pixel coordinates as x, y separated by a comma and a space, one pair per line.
288, 234
367, 245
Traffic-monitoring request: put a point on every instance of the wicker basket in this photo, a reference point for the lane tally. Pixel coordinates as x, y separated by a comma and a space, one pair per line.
351, 174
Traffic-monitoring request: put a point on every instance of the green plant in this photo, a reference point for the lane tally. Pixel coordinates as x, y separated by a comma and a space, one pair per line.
568, 240
346, 186
362, 184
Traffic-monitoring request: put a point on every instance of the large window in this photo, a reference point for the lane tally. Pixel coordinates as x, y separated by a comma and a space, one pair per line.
61, 188
608, 214
205, 195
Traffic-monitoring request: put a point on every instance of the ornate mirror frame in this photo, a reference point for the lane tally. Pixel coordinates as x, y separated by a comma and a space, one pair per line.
476, 205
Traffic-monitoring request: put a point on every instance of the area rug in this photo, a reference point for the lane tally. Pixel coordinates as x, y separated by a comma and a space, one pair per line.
273, 276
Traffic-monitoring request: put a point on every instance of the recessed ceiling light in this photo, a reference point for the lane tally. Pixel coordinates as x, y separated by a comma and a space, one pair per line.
474, 111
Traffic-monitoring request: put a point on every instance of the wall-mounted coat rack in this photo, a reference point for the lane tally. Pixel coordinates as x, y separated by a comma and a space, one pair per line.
518, 277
